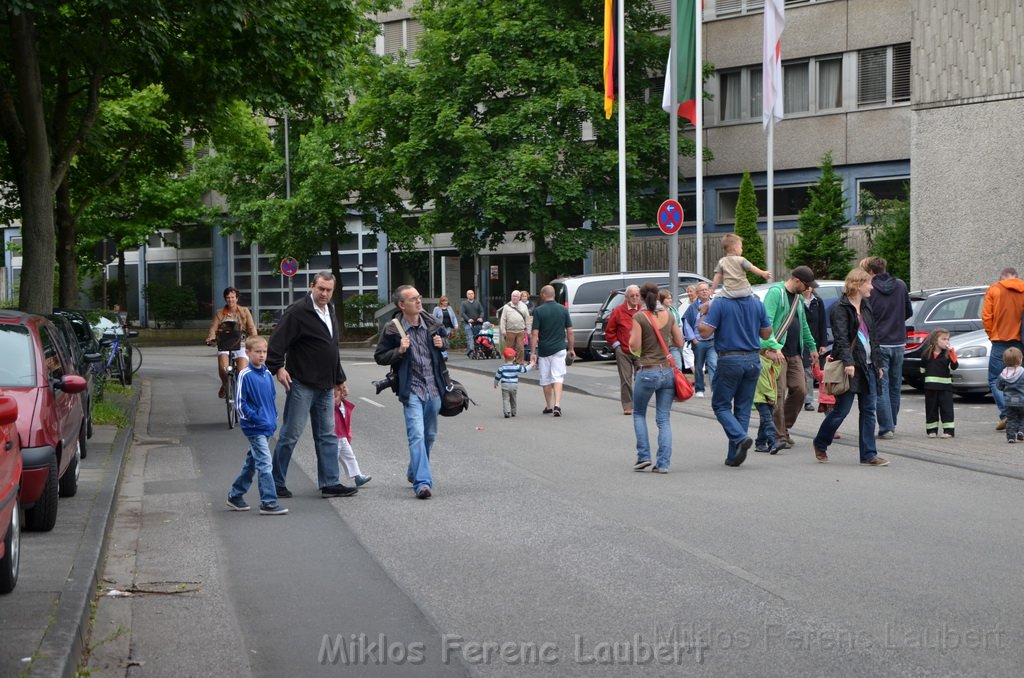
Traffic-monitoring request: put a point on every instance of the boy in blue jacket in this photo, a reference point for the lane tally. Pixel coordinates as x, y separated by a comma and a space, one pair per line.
257, 414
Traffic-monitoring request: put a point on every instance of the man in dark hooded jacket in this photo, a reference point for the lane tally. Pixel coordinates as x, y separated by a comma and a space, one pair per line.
890, 305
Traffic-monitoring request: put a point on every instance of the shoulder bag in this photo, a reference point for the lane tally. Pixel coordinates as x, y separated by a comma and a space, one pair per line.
684, 389
835, 381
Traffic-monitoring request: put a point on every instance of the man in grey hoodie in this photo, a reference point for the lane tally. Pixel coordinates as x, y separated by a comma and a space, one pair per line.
890, 305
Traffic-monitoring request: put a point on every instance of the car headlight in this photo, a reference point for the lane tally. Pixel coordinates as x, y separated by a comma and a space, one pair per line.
973, 352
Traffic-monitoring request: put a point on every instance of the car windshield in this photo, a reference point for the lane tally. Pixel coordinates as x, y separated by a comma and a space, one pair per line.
16, 348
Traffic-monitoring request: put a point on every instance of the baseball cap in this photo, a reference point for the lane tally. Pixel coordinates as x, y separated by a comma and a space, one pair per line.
805, 275
509, 353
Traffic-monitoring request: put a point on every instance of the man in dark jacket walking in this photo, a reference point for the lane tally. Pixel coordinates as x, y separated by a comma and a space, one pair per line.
890, 306
414, 354
304, 357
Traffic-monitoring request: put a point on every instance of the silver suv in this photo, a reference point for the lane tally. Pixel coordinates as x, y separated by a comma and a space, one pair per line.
584, 295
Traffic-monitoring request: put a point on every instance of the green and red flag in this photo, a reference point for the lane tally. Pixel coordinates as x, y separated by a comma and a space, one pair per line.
686, 77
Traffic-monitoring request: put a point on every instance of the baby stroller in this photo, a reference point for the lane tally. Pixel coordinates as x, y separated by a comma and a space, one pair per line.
484, 346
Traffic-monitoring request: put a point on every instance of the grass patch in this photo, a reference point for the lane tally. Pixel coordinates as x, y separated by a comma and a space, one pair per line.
114, 387
107, 413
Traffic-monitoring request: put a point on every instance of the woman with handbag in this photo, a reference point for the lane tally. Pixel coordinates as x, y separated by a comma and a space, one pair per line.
855, 346
653, 328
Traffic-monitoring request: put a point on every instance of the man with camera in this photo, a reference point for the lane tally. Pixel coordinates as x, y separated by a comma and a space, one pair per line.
412, 344
303, 355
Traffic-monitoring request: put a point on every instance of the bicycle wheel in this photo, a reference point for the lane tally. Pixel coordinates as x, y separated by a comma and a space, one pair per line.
124, 374
126, 354
136, 354
229, 399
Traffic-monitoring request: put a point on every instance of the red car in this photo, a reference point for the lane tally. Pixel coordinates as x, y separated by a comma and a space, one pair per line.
10, 481
38, 373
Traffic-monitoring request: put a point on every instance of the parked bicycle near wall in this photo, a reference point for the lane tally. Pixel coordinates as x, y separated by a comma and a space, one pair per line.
121, 360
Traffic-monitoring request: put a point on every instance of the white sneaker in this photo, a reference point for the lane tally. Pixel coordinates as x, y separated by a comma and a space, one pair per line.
698, 394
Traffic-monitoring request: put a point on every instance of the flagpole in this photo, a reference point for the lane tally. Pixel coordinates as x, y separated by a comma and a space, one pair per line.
621, 56
699, 136
673, 147
771, 195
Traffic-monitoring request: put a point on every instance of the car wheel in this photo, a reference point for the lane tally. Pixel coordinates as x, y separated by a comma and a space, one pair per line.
43, 516
12, 552
69, 481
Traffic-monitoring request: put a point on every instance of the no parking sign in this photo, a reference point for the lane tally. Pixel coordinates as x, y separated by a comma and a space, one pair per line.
670, 217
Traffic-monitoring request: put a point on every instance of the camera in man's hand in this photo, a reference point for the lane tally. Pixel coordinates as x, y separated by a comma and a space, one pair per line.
390, 380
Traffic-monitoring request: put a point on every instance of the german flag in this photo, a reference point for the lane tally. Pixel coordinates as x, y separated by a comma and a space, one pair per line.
611, 14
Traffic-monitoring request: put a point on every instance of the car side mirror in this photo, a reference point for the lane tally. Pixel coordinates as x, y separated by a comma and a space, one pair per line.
93, 357
70, 383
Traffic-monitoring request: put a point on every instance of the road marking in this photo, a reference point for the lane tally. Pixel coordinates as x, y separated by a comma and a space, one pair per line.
372, 402
362, 363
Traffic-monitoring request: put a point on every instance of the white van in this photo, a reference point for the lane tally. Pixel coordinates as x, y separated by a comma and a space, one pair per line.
584, 294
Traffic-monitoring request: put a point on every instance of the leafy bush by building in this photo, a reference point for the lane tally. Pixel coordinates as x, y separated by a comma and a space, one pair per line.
171, 305
888, 223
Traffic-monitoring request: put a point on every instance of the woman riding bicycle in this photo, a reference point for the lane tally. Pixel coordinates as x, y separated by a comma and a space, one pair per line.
230, 324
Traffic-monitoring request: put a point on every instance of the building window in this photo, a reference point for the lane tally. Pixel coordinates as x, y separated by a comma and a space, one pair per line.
789, 201
729, 97
815, 85
830, 83
795, 88
886, 188
883, 75
725, 8
402, 36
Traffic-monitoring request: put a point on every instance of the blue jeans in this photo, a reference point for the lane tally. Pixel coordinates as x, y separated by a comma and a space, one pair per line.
660, 383
889, 385
995, 366
704, 354
306, 403
471, 332
421, 429
257, 461
765, 429
834, 419
733, 396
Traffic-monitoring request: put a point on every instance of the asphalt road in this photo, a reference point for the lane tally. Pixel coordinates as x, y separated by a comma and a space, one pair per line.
542, 552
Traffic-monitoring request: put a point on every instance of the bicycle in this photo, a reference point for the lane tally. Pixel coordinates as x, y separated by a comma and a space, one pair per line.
118, 355
229, 338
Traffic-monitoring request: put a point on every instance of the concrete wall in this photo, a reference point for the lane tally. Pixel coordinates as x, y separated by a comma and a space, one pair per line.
967, 141
967, 202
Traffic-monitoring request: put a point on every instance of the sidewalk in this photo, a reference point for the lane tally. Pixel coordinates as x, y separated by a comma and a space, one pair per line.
45, 620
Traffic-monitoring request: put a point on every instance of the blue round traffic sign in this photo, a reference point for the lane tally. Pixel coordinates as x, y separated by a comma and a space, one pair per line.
670, 217
289, 266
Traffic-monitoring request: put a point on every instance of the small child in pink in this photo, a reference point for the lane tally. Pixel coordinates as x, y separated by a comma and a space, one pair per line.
343, 429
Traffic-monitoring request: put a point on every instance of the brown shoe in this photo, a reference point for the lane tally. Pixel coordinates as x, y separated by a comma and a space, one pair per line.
876, 461
1001, 426
820, 456
627, 411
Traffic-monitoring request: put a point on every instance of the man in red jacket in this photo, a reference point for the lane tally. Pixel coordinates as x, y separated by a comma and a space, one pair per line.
620, 323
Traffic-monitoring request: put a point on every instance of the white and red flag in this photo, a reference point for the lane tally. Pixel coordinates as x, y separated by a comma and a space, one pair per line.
771, 73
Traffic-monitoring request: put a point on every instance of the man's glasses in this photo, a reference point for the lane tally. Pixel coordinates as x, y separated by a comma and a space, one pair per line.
414, 299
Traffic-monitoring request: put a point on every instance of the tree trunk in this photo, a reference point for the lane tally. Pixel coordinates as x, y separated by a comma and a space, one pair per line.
33, 172
67, 259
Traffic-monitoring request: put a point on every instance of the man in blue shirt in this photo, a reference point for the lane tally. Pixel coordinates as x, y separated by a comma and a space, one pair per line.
738, 326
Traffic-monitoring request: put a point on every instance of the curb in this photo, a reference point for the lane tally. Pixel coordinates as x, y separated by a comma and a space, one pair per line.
60, 650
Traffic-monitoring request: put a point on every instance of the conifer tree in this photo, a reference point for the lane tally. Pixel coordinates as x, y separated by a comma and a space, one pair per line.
746, 228
821, 240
